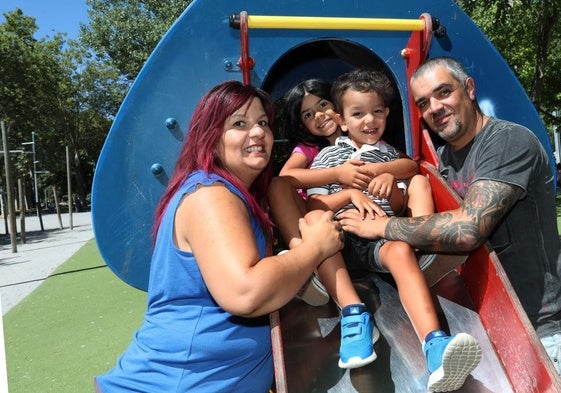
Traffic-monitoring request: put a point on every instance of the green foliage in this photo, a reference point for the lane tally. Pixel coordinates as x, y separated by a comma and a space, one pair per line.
126, 31
68, 92
528, 35
28, 72
30, 75
62, 92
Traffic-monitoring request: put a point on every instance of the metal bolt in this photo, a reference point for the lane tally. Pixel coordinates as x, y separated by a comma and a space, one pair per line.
156, 169
171, 123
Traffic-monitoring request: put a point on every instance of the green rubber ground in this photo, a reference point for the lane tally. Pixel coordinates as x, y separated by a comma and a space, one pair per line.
71, 328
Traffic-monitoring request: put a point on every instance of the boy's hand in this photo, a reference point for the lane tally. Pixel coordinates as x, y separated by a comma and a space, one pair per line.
365, 205
353, 174
381, 186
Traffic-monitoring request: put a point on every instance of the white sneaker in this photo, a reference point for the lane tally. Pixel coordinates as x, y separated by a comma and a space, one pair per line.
313, 292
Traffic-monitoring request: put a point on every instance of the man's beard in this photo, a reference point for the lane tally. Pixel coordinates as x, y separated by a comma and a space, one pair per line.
450, 135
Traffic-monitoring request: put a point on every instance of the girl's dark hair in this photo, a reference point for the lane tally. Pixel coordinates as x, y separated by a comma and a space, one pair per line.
291, 126
199, 149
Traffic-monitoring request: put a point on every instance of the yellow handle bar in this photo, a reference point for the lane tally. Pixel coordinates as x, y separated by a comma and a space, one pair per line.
333, 23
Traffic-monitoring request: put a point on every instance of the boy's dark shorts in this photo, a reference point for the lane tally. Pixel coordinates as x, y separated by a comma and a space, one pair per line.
360, 253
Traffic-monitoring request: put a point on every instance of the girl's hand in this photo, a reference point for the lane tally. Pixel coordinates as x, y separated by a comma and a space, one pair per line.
365, 205
353, 174
381, 186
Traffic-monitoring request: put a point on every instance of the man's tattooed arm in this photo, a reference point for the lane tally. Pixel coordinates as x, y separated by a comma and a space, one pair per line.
463, 229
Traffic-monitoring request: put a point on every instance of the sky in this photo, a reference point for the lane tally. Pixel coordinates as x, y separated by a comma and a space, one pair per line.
51, 16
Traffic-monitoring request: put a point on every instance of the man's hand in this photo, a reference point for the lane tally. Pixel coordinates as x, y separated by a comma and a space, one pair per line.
370, 228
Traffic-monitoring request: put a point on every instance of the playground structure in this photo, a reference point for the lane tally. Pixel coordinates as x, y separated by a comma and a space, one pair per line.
274, 45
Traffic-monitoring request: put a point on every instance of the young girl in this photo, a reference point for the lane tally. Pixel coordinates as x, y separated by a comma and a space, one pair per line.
310, 123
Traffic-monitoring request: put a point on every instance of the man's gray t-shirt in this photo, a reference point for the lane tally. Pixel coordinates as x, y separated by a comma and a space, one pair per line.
527, 241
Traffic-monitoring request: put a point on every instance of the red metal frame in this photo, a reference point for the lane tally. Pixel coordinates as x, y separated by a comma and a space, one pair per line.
245, 62
281, 381
415, 53
517, 345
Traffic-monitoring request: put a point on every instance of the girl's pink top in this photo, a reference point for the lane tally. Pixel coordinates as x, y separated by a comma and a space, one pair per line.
310, 152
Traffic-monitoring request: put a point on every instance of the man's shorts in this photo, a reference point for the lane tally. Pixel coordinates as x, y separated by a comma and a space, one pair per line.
552, 345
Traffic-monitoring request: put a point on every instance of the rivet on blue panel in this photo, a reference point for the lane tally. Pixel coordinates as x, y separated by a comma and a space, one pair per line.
171, 123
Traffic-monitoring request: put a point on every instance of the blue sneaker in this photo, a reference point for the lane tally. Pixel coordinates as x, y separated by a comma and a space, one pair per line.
450, 360
358, 335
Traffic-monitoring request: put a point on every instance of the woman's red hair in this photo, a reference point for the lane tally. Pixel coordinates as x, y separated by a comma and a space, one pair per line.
199, 150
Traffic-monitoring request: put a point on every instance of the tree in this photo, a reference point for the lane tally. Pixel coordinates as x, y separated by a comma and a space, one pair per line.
90, 96
68, 92
29, 74
127, 31
64, 94
528, 34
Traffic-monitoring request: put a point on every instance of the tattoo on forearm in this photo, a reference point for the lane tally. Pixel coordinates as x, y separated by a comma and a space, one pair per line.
463, 229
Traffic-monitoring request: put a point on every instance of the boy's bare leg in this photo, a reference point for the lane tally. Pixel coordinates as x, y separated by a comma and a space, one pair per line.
335, 277
419, 197
399, 258
287, 207
358, 333
450, 359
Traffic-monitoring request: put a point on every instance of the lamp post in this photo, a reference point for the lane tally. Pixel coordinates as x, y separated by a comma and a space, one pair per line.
32, 143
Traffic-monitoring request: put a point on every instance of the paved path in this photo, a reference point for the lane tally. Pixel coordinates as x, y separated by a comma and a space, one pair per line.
43, 252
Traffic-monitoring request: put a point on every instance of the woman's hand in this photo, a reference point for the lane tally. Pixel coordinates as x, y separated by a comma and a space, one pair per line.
320, 228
